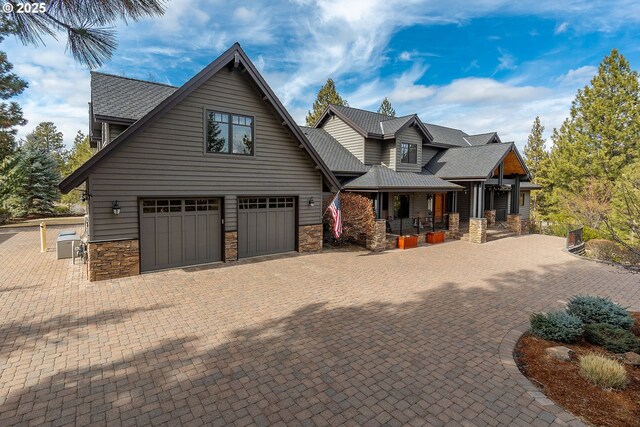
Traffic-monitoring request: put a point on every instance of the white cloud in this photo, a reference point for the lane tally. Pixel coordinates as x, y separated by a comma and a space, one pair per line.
578, 77
299, 44
506, 61
561, 28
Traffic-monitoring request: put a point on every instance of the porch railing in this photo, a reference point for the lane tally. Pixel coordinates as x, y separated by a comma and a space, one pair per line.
572, 233
418, 224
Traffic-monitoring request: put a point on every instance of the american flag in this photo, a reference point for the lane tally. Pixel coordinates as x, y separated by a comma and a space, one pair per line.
336, 214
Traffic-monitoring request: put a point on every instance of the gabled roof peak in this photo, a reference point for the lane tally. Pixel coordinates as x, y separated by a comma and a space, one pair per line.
234, 54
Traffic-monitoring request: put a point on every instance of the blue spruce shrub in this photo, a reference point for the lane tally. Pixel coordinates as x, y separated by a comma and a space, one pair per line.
611, 338
592, 309
556, 326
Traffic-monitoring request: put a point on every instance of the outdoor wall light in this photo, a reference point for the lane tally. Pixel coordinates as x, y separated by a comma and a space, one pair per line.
312, 202
116, 208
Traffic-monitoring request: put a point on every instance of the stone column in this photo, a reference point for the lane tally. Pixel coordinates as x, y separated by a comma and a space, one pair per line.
454, 222
514, 222
310, 238
478, 230
230, 246
377, 242
490, 215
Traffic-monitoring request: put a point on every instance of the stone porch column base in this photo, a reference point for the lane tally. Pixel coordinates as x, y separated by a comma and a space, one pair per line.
454, 222
377, 242
478, 230
514, 222
490, 215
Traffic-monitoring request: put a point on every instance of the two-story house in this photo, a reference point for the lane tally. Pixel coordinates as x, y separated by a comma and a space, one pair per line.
415, 171
214, 170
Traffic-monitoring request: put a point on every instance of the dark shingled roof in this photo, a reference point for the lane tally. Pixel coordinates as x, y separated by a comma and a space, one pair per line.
529, 186
125, 98
335, 155
382, 178
482, 138
445, 135
370, 122
468, 162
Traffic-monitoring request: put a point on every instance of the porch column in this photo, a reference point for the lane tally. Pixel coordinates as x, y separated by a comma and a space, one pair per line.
477, 200
379, 205
515, 196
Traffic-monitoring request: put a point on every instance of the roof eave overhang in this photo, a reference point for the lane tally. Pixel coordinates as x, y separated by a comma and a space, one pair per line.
113, 120
409, 188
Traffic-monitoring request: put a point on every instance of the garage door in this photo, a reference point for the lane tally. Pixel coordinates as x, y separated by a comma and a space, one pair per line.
179, 232
266, 225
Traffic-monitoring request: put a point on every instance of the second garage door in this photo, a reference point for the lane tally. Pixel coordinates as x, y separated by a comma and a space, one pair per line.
266, 225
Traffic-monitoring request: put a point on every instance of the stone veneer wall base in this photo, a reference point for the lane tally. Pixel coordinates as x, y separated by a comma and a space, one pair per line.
310, 238
113, 260
230, 246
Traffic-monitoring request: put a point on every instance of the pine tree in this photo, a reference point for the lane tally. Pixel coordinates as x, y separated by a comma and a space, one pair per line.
88, 25
602, 134
386, 108
79, 154
10, 112
326, 95
46, 137
536, 158
32, 182
534, 152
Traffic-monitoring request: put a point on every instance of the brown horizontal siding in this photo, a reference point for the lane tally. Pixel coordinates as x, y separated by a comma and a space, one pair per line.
167, 160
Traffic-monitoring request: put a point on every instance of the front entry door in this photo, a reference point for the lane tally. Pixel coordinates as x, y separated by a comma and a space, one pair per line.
438, 209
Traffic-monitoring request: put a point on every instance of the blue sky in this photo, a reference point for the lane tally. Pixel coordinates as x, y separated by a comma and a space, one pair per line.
480, 66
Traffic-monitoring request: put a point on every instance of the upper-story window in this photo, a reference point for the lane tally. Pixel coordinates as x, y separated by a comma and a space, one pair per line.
229, 133
409, 153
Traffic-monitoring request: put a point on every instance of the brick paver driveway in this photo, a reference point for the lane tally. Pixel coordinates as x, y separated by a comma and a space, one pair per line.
335, 338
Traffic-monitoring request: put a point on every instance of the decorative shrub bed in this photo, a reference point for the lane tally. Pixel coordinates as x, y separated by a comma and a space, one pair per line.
595, 384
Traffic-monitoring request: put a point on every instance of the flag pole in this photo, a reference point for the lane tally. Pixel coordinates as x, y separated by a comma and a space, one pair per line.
332, 200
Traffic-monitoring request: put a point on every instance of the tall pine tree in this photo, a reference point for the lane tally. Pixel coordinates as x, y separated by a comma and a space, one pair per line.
80, 153
600, 137
537, 158
326, 95
386, 108
46, 137
602, 134
10, 112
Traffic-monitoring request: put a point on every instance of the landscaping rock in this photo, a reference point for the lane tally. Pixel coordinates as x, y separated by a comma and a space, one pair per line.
631, 358
560, 353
